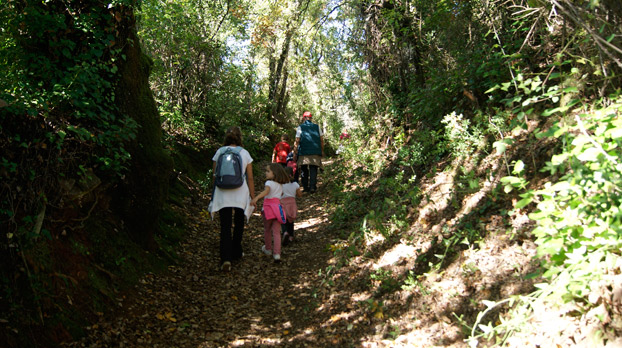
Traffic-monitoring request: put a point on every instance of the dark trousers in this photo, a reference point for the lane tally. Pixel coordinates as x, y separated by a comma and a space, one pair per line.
288, 228
308, 176
297, 175
231, 246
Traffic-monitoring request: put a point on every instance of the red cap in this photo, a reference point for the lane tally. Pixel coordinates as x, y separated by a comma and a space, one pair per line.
306, 114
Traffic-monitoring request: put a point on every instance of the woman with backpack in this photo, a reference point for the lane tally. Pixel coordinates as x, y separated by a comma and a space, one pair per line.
234, 189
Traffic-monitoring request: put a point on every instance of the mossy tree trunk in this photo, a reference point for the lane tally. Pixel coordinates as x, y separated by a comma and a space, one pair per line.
74, 101
144, 190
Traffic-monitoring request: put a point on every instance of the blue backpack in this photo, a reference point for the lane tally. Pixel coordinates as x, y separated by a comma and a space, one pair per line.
229, 173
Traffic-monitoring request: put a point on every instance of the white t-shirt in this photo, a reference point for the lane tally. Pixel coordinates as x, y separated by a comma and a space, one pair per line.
232, 198
289, 189
276, 189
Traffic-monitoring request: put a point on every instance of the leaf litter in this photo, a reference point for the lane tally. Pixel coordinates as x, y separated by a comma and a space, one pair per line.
305, 300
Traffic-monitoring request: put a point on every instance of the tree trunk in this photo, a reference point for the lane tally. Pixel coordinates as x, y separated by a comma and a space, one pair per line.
278, 79
145, 187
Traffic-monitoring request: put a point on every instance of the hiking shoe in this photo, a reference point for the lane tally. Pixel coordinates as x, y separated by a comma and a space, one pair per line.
277, 257
285, 239
226, 266
266, 251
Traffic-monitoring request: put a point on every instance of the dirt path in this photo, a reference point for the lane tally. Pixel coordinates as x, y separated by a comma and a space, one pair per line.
259, 303
376, 298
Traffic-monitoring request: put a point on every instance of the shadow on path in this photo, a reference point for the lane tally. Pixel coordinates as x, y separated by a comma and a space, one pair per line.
258, 304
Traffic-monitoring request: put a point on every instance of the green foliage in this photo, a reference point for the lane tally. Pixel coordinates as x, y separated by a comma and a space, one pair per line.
422, 148
63, 141
69, 87
392, 193
412, 282
60, 119
60, 72
512, 182
215, 66
385, 281
424, 64
200, 91
461, 137
578, 232
578, 216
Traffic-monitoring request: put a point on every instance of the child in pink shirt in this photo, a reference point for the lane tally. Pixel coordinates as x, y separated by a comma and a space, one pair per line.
272, 212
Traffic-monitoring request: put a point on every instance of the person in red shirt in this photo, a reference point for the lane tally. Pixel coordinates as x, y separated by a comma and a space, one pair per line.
281, 150
344, 135
342, 139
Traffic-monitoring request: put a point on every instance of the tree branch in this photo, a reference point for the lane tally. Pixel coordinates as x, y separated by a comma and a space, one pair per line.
221, 21
571, 12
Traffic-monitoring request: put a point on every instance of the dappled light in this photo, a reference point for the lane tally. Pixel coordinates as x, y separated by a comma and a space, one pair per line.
438, 298
258, 303
396, 254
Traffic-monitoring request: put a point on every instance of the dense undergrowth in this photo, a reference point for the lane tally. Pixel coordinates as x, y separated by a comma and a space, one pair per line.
578, 226
561, 167
552, 123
